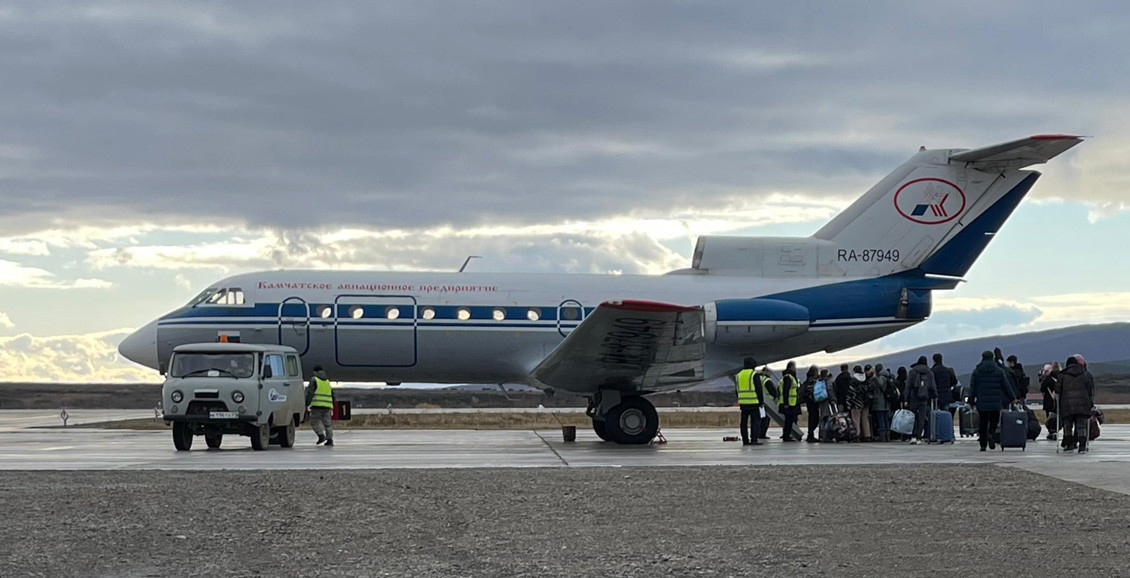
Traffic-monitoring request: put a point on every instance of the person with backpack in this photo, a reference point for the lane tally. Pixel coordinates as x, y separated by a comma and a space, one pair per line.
945, 380
858, 402
811, 405
920, 392
989, 392
788, 401
1019, 378
882, 384
1076, 389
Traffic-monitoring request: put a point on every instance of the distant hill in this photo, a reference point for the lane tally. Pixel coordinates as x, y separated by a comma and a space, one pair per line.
1106, 348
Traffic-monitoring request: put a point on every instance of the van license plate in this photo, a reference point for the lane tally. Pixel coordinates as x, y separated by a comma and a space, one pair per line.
223, 415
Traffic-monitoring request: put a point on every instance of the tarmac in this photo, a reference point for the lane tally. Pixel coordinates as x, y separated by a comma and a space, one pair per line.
35, 440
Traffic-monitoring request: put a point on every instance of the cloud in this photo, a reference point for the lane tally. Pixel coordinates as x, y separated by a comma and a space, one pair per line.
86, 358
5, 321
13, 274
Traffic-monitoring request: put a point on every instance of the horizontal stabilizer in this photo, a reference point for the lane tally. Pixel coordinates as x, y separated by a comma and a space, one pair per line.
1018, 153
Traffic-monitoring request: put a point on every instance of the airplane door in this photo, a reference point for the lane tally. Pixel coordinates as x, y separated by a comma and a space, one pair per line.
375, 330
294, 324
570, 313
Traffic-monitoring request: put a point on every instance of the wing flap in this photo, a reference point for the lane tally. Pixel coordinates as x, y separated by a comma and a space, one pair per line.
1018, 153
637, 346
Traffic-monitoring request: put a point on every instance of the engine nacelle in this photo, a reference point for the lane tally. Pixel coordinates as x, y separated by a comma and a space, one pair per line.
743, 321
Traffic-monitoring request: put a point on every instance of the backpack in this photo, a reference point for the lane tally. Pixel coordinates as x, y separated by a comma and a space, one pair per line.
923, 390
892, 393
820, 391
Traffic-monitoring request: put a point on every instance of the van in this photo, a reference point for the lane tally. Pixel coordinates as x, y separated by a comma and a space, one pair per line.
213, 389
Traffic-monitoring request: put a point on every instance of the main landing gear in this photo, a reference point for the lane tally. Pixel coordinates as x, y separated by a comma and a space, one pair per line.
624, 419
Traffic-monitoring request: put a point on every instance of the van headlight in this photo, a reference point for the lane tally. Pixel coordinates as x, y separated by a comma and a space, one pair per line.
237, 396
177, 396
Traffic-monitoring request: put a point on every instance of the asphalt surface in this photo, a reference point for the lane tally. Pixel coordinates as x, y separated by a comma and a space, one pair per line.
907, 520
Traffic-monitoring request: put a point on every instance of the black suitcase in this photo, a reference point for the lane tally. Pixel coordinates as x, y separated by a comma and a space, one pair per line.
968, 420
1033, 425
1014, 429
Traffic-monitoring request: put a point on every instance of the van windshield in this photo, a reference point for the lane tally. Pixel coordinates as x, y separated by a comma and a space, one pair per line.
190, 364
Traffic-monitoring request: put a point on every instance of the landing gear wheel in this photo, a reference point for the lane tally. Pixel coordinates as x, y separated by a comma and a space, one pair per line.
213, 440
634, 421
261, 438
286, 435
182, 436
600, 429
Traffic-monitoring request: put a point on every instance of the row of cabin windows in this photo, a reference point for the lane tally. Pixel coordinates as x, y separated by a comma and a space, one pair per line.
462, 313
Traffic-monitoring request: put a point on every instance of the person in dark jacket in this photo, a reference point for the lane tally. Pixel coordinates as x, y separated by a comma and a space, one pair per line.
807, 393
858, 403
788, 401
1049, 380
1076, 389
989, 391
920, 393
881, 382
1020, 380
944, 379
842, 384
900, 384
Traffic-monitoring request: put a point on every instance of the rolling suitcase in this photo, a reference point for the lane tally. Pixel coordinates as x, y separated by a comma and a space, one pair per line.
969, 420
1033, 425
941, 427
1014, 429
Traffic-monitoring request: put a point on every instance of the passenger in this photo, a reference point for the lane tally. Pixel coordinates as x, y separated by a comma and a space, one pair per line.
827, 405
1020, 379
1049, 380
900, 385
748, 385
843, 383
811, 406
999, 358
881, 383
788, 401
1076, 389
920, 393
320, 399
858, 402
945, 380
989, 391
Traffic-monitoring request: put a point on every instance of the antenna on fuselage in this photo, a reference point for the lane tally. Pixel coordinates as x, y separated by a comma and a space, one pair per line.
469, 257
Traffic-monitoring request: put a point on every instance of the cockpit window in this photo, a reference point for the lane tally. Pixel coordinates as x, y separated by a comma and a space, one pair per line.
203, 296
232, 296
190, 364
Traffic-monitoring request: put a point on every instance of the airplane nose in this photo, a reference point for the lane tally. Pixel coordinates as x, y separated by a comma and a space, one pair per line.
141, 346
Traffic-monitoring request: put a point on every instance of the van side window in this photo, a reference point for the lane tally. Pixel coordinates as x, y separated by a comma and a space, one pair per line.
292, 365
276, 363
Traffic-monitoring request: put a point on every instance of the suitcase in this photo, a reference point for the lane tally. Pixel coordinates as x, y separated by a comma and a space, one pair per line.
1033, 425
842, 427
827, 429
941, 430
1014, 429
969, 420
903, 422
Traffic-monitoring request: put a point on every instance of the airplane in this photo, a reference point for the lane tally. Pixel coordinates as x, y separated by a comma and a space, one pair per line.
614, 339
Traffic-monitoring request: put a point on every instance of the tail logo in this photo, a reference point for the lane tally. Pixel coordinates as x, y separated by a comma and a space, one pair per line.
929, 201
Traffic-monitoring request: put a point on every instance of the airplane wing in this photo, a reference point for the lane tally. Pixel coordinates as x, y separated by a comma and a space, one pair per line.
631, 346
1018, 153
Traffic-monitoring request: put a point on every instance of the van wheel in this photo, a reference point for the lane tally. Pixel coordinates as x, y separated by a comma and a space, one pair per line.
213, 440
261, 438
286, 435
182, 436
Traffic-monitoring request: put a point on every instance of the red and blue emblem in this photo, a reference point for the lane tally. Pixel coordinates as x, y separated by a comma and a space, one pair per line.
930, 201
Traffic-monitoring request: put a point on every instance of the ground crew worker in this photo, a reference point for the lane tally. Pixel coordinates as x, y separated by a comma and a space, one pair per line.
750, 392
320, 399
788, 401
768, 388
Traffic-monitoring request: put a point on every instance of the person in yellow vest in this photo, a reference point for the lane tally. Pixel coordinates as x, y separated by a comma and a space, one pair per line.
750, 393
320, 399
788, 401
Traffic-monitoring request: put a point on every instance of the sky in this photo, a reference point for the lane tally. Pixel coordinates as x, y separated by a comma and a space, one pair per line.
150, 149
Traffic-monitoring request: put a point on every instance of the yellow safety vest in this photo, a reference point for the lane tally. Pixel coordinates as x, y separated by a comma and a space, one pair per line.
323, 394
789, 384
747, 393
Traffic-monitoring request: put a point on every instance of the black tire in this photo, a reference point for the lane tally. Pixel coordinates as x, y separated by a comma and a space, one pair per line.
213, 440
261, 438
286, 435
182, 436
634, 421
598, 427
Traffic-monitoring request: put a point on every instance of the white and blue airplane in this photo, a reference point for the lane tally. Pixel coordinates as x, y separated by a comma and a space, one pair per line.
614, 339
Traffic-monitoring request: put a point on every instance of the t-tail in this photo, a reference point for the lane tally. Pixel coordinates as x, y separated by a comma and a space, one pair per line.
934, 215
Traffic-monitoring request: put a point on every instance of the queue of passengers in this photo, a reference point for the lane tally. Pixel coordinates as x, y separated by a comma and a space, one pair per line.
857, 405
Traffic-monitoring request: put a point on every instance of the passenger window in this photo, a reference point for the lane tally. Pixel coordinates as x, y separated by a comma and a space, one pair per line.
324, 311
291, 366
571, 313
275, 362
533, 314
428, 313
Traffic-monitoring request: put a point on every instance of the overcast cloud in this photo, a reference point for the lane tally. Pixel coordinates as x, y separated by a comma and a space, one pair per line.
168, 143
